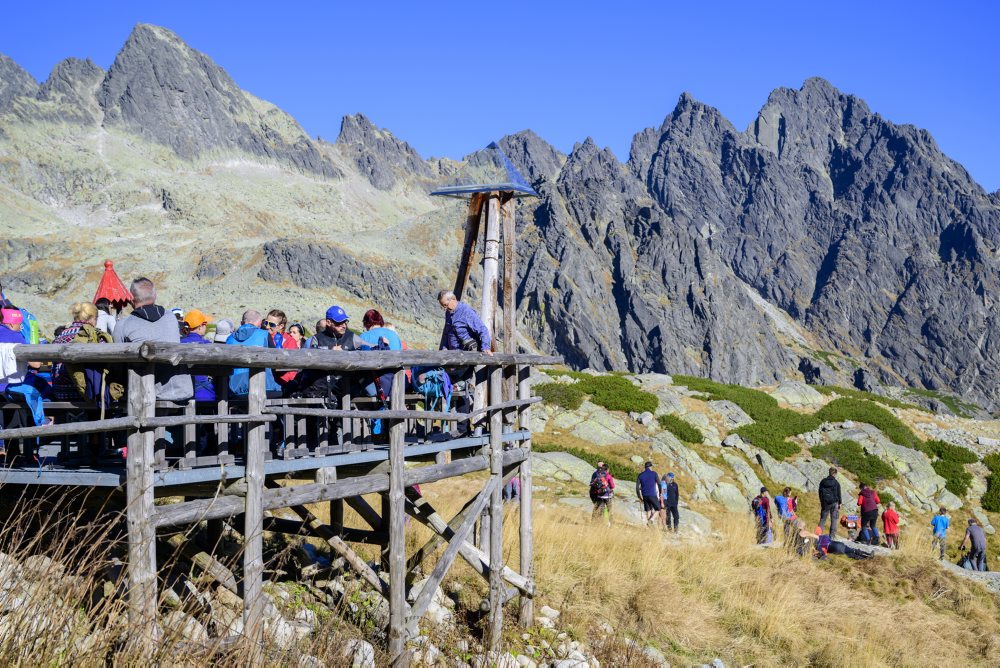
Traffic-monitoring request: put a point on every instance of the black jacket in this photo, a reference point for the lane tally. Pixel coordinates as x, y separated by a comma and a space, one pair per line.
829, 491
347, 342
673, 494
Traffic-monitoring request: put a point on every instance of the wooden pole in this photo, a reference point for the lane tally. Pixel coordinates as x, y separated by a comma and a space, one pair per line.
397, 529
491, 264
509, 226
471, 239
141, 531
495, 628
526, 613
253, 528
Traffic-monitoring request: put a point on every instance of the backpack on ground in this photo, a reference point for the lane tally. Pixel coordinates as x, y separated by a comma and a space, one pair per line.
599, 486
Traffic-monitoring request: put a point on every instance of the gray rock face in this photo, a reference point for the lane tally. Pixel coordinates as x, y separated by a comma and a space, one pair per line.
379, 155
312, 265
14, 82
162, 89
73, 86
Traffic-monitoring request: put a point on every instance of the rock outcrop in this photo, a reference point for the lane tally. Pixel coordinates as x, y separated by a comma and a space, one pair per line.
381, 157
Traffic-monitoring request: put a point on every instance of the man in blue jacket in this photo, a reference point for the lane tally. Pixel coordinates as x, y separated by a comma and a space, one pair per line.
647, 488
463, 330
939, 523
250, 334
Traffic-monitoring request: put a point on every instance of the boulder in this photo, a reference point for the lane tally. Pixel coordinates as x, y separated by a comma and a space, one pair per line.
180, 625
744, 473
359, 653
946, 499
782, 473
686, 458
984, 520
561, 466
731, 414
729, 496
600, 426
814, 470
38, 567
795, 393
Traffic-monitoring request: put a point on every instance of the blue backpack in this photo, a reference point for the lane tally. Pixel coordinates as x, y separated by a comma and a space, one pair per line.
435, 388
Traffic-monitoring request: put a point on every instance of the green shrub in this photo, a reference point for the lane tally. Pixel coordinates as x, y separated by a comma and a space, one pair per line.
850, 455
617, 394
568, 396
619, 469
682, 429
991, 499
772, 424
948, 452
955, 405
887, 497
859, 410
870, 396
992, 462
957, 479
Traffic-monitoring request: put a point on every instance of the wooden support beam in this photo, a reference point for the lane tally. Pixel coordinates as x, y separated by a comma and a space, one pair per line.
367, 513
526, 612
426, 595
495, 622
338, 545
397, 528
253, 509
221, 506
301, 528
509, 227
471, 239
206, 562
142, 596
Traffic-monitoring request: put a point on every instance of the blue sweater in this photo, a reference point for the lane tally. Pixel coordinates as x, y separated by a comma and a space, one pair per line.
462, 324
249, 335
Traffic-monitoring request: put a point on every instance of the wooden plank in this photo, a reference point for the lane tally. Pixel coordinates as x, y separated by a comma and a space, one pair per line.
398, 608
472, 223
495, 621
508, 226
401, 414
190, 433
70, 428
227, 506
206, 562
253, 509
178, 420
526, 607
222, 429
301, 528
367, 513
139, 513
459, 537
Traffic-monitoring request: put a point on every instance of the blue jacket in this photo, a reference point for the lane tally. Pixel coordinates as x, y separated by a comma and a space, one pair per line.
249, 335
464, 324
649, 483
940, 524
204, 390
375, 334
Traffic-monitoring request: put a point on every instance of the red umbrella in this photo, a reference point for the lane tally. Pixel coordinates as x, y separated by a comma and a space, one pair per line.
112, 288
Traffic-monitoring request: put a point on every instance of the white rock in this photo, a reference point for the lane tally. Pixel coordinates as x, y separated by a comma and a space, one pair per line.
524, 661
360, 653
307, 617
988, 442
280, 631
545, 622
431, 654
182, 625
606, 629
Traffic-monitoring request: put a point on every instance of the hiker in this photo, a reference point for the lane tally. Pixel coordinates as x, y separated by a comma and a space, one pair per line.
223, 329
671, 498
297, 334
868, 502
782, 504
940, 523
826, 545
647, 488
761, 506
602, 491
829, 501
512, 490
30, 322
801, 538
977, 545
251, 334
87, 382
195, 328
321, 324
105, 321
151, 322
376, 331
336, 335
890, 526
15, 381
463, 330
274, 322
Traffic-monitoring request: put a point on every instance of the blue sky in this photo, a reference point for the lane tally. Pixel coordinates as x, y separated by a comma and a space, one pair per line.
451, 77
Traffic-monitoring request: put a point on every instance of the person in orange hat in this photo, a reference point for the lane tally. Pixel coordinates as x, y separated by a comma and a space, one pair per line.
193, 330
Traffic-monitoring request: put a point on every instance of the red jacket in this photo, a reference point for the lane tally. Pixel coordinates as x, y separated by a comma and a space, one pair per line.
868, 502
890, 521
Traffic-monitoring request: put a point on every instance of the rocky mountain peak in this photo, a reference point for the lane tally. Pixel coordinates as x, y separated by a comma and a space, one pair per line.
535, 158
73, 85
165, 91
14, 82
377, 153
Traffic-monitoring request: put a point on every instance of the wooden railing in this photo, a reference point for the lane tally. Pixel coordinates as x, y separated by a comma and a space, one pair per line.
503, 407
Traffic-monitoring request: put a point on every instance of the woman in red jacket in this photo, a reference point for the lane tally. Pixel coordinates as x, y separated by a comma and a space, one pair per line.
890, 524
868, 503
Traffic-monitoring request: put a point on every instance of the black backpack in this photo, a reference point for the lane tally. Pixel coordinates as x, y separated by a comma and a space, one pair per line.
599, 486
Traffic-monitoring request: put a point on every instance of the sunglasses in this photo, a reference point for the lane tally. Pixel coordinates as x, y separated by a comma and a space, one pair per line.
271, 325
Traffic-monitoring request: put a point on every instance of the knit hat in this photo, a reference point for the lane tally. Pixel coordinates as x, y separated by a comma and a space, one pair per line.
223, 329
12, 316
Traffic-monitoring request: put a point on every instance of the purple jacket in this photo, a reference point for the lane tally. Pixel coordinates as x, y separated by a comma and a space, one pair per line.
464, 324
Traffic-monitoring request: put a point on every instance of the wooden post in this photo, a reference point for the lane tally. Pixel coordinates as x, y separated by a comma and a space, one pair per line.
139, 493
509, 290
253, 528
328, 476
471, 239
397, 528
495, 628
526, 613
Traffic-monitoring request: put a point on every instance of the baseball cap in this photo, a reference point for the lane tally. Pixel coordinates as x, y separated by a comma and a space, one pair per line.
12, 316
223, 329
177, 312
670, 475
649, 465
336, 314
196, 318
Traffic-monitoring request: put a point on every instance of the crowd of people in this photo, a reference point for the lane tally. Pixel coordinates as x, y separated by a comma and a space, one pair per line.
660, 502
95, 323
